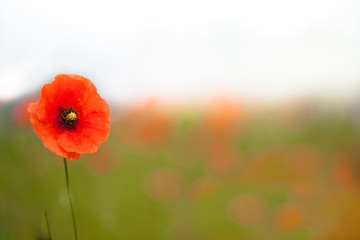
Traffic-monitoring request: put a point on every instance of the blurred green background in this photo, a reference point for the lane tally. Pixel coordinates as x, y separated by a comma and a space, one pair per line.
225, 170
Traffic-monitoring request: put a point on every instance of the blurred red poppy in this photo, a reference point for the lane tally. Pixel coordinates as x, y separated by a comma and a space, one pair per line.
20, 113
71, 118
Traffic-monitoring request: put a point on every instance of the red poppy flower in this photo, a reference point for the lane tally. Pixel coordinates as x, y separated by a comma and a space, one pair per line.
71, 118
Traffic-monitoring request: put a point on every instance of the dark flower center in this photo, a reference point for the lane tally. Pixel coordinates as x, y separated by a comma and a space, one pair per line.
68, 117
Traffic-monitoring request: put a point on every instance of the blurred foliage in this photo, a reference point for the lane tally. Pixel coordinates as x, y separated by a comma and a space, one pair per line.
223, 172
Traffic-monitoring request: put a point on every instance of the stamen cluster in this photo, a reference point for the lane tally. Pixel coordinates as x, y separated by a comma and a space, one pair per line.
67, 119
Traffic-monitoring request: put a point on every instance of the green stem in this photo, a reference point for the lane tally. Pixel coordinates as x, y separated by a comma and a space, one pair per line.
70, 200
47, 224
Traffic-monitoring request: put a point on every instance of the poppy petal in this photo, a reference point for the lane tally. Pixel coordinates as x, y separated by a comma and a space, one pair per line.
90, 134
63, 92
49, 135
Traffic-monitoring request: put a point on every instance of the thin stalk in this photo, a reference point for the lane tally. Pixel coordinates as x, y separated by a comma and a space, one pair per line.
47, 224
70, 199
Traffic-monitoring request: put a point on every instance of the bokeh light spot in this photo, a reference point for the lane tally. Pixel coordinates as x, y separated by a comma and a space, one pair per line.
288, 218
248, 210
165, 184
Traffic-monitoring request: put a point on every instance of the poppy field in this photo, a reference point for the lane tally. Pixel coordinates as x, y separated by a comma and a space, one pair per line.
222, 170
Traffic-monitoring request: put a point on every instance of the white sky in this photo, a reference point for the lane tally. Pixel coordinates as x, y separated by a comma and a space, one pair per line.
183, 49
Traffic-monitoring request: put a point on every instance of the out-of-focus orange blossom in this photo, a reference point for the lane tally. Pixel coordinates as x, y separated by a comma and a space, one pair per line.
203, 189
20, 114
220, 157
103, 161
223, 118
267, 168
305, 161
288, 218
248, 210
165, 184
145, 126
304, 188
344, 170
344, 174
